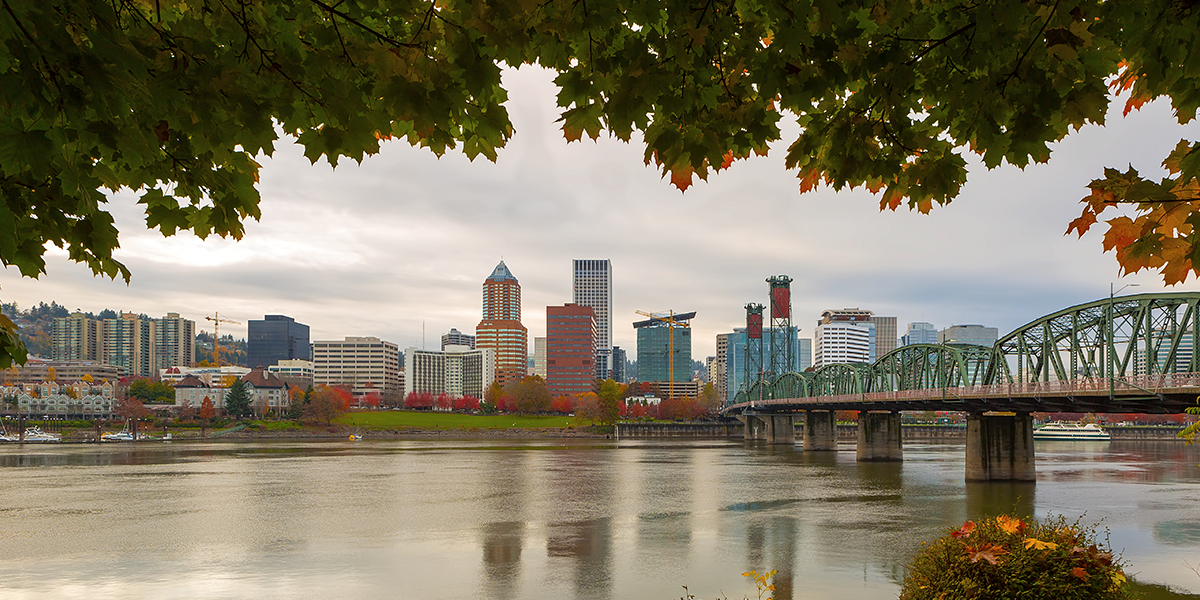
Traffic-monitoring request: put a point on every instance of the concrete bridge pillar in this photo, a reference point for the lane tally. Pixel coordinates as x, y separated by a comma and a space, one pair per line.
781, 429
879, 436
820, 430
773, 429
752, 428
1000, 448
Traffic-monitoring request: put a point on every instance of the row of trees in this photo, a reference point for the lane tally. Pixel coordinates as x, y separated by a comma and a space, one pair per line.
610, 401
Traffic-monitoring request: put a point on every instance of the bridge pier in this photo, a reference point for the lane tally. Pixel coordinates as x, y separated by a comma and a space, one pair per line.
820, 430
1000, 448
879, 436
773, 429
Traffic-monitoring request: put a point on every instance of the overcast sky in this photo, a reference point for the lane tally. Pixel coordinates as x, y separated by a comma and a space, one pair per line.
402, 243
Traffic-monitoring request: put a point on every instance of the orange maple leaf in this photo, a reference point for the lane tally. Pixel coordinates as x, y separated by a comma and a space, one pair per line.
1009, 525
1135, 102
1079, 572
726, 160
1122, 231
964, 531
573, 134
809, 180
681, 177
989, 553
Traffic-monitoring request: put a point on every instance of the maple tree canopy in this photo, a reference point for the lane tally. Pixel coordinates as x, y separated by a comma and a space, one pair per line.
173, 99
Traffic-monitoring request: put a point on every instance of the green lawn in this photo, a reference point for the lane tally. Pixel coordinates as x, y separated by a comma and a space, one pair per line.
398, 419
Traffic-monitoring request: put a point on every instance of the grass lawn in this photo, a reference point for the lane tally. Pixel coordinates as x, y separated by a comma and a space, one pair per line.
397, 419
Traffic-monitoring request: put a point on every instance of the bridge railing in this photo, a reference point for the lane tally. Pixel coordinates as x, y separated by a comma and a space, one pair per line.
1174, 383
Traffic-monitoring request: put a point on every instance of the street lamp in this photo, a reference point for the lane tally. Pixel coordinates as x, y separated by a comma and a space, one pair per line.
1112, 342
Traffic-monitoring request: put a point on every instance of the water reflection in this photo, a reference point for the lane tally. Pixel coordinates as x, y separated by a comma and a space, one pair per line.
502, 558
587, 546
991, 498
453, 519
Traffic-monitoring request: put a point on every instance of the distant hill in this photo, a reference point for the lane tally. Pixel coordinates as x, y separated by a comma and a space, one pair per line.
35, 323
233, 350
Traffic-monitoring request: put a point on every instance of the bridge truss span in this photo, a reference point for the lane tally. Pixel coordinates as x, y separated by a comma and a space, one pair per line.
1132, 354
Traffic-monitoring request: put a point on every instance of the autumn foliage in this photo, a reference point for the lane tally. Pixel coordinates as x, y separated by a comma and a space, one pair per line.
1007, 557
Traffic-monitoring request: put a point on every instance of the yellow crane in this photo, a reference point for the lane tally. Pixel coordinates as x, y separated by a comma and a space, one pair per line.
216, 321
672, 320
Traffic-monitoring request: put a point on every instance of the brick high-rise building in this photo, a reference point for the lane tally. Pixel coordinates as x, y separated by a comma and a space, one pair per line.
501, 328
570, 349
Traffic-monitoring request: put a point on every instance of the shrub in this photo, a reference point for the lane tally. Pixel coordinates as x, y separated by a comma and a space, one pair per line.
1006, 557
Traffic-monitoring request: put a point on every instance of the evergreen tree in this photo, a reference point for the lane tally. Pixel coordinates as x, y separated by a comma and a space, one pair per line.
237, 401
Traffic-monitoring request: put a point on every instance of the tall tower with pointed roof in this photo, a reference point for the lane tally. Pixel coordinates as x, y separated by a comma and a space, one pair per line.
501, 328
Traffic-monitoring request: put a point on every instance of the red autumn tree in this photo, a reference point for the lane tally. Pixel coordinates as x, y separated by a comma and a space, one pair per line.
445, 401
207, 411
419, 400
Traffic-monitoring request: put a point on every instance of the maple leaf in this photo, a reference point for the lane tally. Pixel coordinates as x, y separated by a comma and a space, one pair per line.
809, 180
1122, 231
989, 553
726, 160
1009, 525
1079, 572
964, 531
681, 177
1039, 544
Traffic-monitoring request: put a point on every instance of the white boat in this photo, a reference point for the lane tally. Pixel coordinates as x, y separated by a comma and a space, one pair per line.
36, 435
1071, 431
120, 436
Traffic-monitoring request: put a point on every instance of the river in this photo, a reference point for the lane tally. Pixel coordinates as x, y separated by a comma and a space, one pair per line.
542, 519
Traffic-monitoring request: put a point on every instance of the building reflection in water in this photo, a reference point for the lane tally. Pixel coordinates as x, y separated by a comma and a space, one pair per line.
772, 541
502, 558
588, 545
505, 478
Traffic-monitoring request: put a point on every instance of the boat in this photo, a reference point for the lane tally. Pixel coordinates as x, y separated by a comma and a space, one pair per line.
121, 436
36, 435
1071, 431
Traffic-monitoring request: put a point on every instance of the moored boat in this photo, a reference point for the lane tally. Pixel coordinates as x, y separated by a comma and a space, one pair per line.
36, 435
1071, 431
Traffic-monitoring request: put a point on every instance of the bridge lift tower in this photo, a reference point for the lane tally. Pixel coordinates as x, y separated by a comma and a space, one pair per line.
783, 337
754, 344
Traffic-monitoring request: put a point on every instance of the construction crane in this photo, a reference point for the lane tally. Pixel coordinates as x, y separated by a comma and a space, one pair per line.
671, 320
216, 321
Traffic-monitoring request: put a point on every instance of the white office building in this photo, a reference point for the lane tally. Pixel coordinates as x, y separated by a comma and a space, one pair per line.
457, 371
363, 364
840, 342
593, 288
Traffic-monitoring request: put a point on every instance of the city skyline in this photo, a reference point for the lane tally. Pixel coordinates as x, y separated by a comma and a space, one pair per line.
405, 238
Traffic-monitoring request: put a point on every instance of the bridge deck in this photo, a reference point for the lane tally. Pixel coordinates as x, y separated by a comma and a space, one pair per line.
1159, 394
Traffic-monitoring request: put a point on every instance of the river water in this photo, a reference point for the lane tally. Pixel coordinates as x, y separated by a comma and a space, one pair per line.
544, 519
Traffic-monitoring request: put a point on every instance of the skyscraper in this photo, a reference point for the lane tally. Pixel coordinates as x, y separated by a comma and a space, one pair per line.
885, 336
457, 338
129, 343
920, 333
501, 328
570, 349
593, 288
174, 342
845, 336
275, 338
77, 337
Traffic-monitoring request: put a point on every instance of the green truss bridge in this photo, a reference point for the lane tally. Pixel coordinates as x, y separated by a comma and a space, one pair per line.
1131, 354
